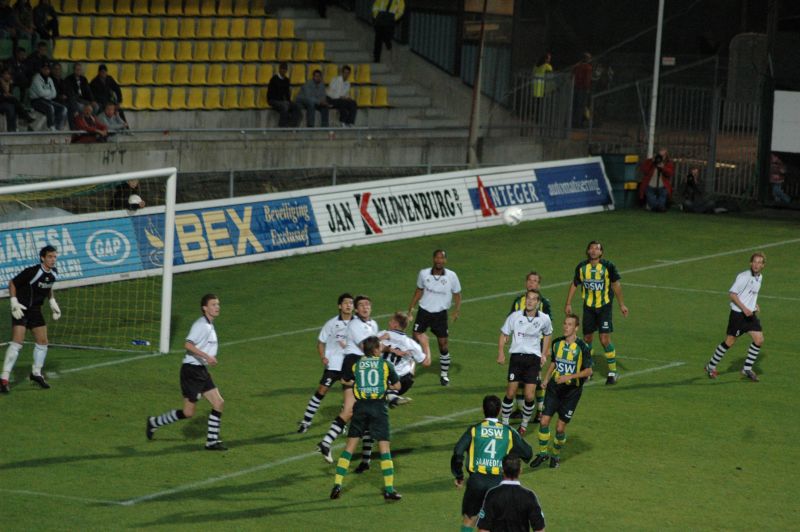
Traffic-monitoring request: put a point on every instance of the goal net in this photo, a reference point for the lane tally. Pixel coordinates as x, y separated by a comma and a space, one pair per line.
115, 256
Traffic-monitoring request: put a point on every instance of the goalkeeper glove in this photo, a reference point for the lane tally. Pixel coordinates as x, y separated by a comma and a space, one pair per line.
55, 309
17, 308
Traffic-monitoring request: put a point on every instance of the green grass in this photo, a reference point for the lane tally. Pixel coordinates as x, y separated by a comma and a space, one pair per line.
664, 449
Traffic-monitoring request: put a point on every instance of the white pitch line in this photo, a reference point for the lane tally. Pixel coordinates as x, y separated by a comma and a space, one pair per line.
56, 496
703, 291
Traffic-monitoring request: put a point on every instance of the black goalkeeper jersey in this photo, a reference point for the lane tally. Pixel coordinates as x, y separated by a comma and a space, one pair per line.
33, 285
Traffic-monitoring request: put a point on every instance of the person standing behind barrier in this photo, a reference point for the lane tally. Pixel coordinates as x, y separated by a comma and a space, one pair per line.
385, 14
279, 97
582, 74
655, 188
541, 77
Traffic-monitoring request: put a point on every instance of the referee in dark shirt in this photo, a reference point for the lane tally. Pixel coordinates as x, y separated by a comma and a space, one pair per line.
510, 507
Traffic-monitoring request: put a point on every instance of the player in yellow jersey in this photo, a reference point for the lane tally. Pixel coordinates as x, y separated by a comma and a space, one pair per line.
600, 282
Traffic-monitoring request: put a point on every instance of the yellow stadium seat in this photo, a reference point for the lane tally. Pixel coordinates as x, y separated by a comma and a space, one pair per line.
213, 98
187, 28
231, 99
300, 53
123, 7
198, 75
143, 99
261, 98
194, 99
363, 74
268, 51
218, 51
251, 51
287, 29
225, 8
127, 75
114, 50
136, 28
150, 51
70, 7
78, 51
140, 8
153, 28
160, 99
295, 92
208, 8
234, 51
285, 51
145, 75
215, 74
201, 52
242, 7
364, 97
90, 69
180, 74
127, 95
297, 74
169, 30
221, 28
238, 28
101, 27
133, 51
184, 51
232, 75
253, 30
192, 8
83, 26
177, 99
205, 28
264, 74
249, 74
330, 71
175, 7
164, 74
167, 51
66, 26
61, 50
112, 69
97, 50
381, 97
317, 51
270, 29
158, 8
119, 27
247, 98
105, 7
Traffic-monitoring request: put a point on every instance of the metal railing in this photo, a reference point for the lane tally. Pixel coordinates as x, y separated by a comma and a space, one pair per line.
543, 104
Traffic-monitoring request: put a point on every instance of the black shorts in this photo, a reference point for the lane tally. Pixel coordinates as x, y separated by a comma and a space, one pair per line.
347, 366
477, 486
738, 323
562, 399
406, 382
436, 321
32, 319
597, 319
524, 368
370, 415
330, 377
195, 381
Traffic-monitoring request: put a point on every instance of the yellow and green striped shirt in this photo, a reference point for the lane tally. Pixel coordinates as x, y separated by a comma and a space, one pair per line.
570, 358
595, 281
372, 377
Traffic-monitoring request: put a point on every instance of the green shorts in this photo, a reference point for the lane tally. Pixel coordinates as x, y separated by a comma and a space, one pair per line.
477, 486
563, 399
370, 415
595, 319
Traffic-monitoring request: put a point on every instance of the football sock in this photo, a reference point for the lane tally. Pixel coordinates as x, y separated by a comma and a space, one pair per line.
166, 418
387, 466
508, 406
366, 447
335, 429
341, 467
540, 398
312, 407
544, 439
465, 528
214, 421
558, 443
719, 352
391, 396
527, 412
12, 352
611, 359
39, 354
444, 364
752, 355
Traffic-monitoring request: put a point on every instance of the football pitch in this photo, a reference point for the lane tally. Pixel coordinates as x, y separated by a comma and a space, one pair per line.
664, 449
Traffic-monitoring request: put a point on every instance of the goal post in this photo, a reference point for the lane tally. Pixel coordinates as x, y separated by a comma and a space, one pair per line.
101, 263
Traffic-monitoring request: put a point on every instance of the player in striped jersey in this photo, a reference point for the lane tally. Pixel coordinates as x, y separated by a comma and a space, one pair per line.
486, 444
600, 282
570, 366
330, 346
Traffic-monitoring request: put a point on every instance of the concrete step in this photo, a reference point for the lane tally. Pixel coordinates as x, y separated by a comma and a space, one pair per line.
436, 122
387, 79
341, 46
306, 24
399, 90
298, 13
320, 34
408, 101
349, 57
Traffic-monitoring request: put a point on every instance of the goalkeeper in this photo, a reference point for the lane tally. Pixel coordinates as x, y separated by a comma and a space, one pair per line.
28, 290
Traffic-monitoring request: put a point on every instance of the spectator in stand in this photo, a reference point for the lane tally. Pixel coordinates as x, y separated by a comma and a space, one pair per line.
45, 20
111, 119
18, 67
87, 122
385, 14
34, 62
339, 97
8, 21
61, 90
655, 189
279, 97
694, 199
313, 98
105, 89
23, 12
42, 93
78, 91
777, 175
582, 74
10, 104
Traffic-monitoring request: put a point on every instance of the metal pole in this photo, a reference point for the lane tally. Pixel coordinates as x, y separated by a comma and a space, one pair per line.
169, 242
474, 119
651, 136
230, 184
333, 175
